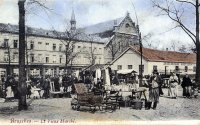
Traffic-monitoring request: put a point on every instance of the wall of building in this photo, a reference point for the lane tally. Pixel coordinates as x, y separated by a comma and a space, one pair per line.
170, 67
130, 58
41, 49
126, 26
125, 35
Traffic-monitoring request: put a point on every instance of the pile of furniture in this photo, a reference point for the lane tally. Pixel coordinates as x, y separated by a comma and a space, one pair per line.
103, 101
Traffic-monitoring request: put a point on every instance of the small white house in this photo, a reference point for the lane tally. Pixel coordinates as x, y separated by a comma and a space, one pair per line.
162, 61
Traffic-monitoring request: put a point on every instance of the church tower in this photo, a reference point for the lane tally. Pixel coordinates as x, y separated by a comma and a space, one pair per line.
73, 22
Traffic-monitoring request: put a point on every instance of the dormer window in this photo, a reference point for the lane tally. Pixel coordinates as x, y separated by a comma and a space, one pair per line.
127, 25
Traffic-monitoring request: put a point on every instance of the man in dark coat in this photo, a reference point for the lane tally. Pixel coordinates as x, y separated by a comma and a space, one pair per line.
186, 83
159, 81
46, 87
56, 83
64, 82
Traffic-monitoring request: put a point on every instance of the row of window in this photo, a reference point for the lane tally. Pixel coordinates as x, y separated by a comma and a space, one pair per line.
119, 67
185, 68
14, 58
155, 67
5, 43
54, 46
47, 59
60, 47
176, 68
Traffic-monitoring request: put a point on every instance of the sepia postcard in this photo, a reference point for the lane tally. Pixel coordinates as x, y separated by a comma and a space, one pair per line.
124, 62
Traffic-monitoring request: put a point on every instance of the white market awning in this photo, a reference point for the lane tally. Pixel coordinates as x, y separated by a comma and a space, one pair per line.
126, 71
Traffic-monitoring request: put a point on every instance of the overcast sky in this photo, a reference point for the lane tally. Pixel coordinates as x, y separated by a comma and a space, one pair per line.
90, 12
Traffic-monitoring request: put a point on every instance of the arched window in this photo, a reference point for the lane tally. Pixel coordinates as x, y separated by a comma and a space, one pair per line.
127, 25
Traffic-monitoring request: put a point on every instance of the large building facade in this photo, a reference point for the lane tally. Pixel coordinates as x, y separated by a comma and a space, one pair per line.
48, 51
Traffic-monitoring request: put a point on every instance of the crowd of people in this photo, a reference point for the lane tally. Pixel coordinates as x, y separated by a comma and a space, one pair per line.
155, 87
39, 87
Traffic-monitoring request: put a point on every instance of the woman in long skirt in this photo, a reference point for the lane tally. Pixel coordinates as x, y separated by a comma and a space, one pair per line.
9, 93
173, 86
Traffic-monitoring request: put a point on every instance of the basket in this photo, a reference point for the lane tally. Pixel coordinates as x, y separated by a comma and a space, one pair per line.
137, 104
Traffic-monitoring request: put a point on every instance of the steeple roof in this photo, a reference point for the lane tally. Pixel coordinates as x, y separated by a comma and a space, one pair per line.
73, 16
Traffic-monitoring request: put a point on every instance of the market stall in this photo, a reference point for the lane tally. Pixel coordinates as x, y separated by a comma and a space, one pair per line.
127, 76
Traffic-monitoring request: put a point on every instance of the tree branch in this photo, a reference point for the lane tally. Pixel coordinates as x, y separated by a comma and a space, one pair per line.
38, 3
185, 1
174, 15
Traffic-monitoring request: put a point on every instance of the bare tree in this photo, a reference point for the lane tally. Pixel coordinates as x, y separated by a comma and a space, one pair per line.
22, 105
192, 48
113, 48
91, 53
118, 44
174, 45
147, 42
68, 39
183, 49
187, 48
175, 9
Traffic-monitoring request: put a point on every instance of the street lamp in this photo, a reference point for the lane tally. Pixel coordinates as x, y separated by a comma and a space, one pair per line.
140, 42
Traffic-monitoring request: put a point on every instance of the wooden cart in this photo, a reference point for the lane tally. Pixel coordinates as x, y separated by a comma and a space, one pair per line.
85, 98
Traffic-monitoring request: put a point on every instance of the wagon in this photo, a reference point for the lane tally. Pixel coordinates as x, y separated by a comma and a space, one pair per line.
85, 98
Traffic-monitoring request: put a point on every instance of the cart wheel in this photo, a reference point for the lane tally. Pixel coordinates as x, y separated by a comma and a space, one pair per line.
74, 107
78, 107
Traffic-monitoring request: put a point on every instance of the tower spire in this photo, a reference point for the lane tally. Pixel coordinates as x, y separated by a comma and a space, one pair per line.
73, 21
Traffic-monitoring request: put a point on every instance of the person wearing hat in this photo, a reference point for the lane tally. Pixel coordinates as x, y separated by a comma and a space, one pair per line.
154, 90
159, 81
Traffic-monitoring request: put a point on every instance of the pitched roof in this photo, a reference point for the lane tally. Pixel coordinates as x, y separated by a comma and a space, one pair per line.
9, 28
154, 55
165, 56
102, 27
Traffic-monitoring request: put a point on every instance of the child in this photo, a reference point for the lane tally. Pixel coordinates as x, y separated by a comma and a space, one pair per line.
28, 90
194, 91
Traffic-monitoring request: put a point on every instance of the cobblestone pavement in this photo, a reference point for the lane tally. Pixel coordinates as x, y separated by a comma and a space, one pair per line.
51, 110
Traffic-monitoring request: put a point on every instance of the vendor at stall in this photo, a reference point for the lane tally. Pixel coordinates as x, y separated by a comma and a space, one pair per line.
154, 90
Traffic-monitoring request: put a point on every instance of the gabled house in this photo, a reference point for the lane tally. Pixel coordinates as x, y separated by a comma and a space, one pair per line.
117, 34
162, 61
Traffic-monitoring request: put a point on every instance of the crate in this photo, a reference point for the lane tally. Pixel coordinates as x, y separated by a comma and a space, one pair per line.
137, 104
